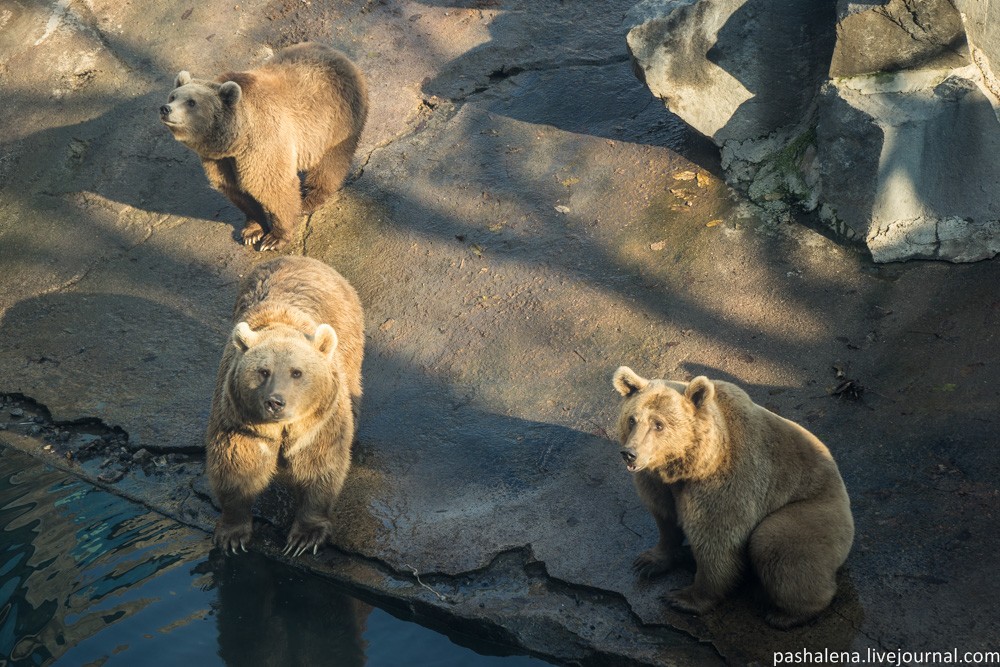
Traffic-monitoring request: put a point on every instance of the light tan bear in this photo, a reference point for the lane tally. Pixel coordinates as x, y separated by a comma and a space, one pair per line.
747, 488
286, 398
302, 111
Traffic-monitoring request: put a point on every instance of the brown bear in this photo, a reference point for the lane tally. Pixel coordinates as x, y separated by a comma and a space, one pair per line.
302, 111
286, 398
745, 486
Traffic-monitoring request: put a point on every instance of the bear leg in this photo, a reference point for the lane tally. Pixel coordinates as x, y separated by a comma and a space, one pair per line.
661, 558
274, 184
326, 177
235, 526
719, 569
796, 552
313, 523
239, 468
318, 474
222, 176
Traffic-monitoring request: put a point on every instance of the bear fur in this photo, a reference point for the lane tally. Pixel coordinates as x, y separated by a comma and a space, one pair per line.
302, 111
286, 398
749, 489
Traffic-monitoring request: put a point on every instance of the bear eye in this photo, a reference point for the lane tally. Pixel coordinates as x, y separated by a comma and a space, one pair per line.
263, 373
170, 99
296, 373
631, 421
658, 425
190, 103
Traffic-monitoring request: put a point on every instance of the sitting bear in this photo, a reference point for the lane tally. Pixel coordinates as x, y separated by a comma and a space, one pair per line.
302, 111
745, 486
286, 398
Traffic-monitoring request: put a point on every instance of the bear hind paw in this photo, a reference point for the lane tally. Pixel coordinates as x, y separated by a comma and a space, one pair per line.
690, 601
783, 621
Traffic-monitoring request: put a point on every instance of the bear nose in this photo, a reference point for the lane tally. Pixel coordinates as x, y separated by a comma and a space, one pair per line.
629, 456
165, 110
274, 403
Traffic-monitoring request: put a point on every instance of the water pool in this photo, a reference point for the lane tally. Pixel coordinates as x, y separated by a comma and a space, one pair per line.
88, 578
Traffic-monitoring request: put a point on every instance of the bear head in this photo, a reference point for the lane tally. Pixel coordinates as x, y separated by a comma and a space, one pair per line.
199, 113
665, 427
281, 374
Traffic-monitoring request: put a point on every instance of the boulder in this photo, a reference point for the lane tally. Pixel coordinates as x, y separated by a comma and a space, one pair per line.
882, 115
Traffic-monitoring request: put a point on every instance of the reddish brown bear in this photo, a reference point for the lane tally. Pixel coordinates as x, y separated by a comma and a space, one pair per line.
302, 111
750, 490
286, 398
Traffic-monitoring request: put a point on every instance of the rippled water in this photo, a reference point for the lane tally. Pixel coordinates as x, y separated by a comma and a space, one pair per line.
88, 578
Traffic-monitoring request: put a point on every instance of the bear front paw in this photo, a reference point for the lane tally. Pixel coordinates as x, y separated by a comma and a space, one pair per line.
303, 537
652, 562
232, 538
252, 232
271, 242
690, 601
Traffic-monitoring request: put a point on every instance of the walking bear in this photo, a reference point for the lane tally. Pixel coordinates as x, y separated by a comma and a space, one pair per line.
302, 111
745, 486
286, 398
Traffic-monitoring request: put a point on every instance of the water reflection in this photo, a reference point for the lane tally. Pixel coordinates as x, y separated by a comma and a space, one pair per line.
88, 578
277, 616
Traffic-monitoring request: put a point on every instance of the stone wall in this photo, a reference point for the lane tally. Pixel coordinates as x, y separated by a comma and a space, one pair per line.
881, 114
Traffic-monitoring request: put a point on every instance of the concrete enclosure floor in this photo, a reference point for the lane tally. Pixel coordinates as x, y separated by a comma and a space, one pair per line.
523, 217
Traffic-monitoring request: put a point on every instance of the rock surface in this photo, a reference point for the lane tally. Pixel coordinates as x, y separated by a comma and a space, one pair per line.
883, 115
523, 218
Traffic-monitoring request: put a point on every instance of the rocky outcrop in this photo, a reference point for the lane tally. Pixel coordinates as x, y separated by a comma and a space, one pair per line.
881, 115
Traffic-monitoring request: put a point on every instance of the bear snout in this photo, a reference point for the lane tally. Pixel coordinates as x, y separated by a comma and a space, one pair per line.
274, 404
165, 110
629, 456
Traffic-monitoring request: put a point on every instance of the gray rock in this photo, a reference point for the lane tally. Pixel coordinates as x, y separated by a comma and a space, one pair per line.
882, 115
898, 34
735, 69
909, 163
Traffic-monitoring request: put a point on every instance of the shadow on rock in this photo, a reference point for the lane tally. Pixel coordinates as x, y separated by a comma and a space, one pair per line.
566, 69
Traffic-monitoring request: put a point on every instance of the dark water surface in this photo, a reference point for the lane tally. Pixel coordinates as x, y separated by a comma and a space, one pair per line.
89, 578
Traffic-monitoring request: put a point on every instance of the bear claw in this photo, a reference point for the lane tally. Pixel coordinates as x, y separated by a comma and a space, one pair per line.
302, 538
651, 563
232, 539
271, 242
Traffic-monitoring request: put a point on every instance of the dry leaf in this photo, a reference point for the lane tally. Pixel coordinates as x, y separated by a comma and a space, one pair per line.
659, 245
570, 181
477, 251
703, 180
684, 176
713, 223
562, 209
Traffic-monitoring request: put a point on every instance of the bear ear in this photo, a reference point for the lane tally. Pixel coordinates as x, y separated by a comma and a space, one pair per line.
230, 92
325, 339
183, 78
627, 382
700, 391
244, 337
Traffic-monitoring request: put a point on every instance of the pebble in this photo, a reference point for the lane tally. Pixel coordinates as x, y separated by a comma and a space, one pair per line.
17, 412
111, 476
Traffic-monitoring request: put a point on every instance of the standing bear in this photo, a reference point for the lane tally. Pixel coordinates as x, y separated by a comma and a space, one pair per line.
302, 111
286, 398
745, 486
